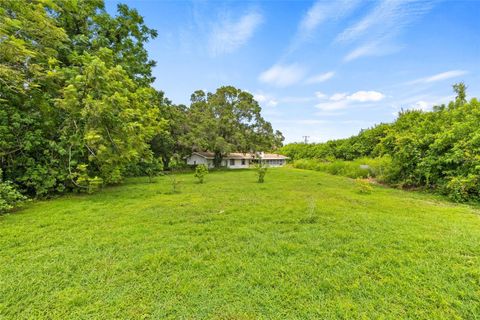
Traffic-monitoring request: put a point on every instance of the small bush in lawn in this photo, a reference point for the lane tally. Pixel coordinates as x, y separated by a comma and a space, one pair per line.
152, 168
363, 186
174, 182
200, 172
261, 172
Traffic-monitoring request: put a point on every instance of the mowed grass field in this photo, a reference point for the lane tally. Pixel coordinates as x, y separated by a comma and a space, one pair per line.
303, 245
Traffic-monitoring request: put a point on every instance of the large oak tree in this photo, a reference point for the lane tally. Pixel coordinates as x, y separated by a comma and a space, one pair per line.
229, 120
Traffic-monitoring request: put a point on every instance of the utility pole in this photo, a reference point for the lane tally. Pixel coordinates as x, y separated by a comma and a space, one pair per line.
305, 138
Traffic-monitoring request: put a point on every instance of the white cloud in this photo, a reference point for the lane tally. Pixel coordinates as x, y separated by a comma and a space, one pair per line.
343, 100
378, 28
423, 105
322, 77
364, 96
440, 76
265, 100
282, 75
227, 35
320, 95
420, 102
338, 96
323, 10
375, 48
320, 12
335, 105
388, 17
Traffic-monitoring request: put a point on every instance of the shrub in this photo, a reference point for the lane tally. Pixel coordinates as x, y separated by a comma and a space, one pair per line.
359, 168
9, 196
461, 189
261, 172
83, 181
363, 186
175, 183
200, 172
150, 167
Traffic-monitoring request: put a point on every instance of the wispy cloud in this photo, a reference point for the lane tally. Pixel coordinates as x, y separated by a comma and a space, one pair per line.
323, 10
282, 75
320, 12
388, 17
378, 28
265, 100
229, 35
375, 48
440, 76
319, 78
344, 100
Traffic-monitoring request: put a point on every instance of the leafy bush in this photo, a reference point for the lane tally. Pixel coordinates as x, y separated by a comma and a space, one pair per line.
84, 182
461, 189
9, 196
174, 183
261, 172
436, 150
359, 168
363, 186
200, 172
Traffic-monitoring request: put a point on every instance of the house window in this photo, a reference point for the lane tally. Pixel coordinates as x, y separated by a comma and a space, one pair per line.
194, 162
232, 162
243, 162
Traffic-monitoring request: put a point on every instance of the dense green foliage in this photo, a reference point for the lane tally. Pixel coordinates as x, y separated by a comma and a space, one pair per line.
200, 172
359, 168
77, 109
9, 196
302, 245
76, 101
363, 186
437, 150
261, 172
229, 120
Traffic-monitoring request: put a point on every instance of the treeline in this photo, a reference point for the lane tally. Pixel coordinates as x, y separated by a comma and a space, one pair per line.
78, 110
437, 150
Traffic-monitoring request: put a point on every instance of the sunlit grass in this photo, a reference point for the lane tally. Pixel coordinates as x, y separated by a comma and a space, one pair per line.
303, 244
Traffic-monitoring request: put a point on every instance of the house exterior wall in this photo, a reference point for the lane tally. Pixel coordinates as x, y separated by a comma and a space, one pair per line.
196, 159
237, 163
274, 162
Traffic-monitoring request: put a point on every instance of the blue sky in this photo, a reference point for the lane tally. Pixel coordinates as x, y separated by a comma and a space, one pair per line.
323, 69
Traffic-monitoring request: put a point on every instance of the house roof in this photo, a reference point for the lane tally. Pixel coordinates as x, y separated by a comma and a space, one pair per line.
238, 155
206, 155
273, 156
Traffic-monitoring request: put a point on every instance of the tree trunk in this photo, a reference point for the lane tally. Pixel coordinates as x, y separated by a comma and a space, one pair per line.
166, 162
217, 159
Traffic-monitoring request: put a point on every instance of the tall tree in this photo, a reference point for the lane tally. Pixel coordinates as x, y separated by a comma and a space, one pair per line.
460, 90
229, 120
75, 93
169, 143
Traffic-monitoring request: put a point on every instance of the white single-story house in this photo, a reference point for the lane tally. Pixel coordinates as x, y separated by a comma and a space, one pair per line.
238, 160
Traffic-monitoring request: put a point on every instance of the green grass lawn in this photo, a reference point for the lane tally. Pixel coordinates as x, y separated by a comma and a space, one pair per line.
302, 245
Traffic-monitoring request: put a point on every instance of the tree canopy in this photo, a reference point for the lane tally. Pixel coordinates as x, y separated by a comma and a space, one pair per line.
78, 109
229, 120
437, 150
